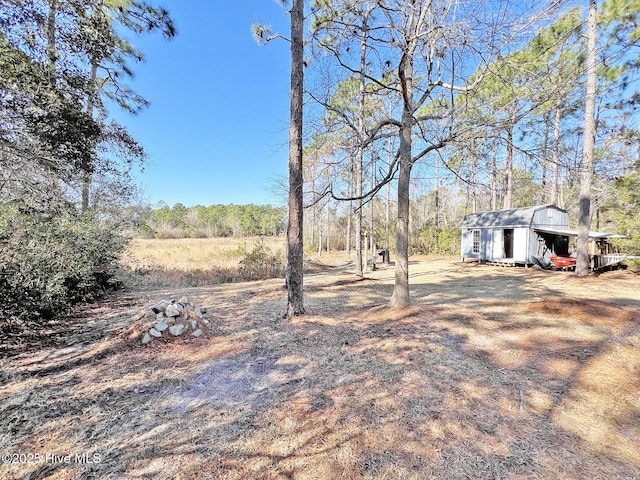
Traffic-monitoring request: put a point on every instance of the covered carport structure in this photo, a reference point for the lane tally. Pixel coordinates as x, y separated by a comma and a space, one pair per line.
602, 252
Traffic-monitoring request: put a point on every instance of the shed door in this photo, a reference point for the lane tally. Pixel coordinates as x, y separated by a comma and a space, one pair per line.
508, 242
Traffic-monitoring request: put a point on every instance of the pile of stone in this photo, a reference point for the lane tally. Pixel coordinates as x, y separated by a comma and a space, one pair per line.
171, 319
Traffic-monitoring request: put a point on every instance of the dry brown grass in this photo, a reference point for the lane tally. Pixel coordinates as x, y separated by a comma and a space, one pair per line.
188, 254
190, 262
492, 373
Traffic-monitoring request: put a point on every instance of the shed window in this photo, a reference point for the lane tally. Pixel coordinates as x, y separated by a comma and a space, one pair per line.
476, 241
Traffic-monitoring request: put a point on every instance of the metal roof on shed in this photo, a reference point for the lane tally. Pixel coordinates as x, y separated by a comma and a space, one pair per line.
567, 232
512, 217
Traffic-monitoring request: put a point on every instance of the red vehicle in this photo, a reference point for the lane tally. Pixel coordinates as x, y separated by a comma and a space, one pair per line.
563, 262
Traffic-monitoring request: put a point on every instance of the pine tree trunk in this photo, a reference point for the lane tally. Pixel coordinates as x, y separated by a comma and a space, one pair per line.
372, 213
387, 214
387, 210
586, 167
313, 214
349, 216
320, 236
508, 196
494, 176
474, 187
366, 249
360, 159
328, 227
555, 158
545, 158
358, 215
295, 246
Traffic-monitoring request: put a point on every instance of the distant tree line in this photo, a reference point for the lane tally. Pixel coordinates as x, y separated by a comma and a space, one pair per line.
199, 221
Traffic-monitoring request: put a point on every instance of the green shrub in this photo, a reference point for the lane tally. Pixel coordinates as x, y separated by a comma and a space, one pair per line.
260, 263
145, 231
633, 265
49, 262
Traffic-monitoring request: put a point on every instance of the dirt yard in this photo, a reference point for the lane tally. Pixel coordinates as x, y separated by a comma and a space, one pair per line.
492, 373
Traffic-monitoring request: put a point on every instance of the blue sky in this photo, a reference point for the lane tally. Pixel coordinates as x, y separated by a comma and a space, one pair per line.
217, 127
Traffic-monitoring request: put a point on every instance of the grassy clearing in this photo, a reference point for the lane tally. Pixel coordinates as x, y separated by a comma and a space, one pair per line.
188, 254
190, 262
492, 373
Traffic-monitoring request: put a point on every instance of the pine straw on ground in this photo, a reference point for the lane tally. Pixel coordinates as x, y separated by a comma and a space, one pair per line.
492, 373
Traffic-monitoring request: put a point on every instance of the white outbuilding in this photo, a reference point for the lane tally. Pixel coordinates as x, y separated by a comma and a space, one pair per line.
527, 236
509, 236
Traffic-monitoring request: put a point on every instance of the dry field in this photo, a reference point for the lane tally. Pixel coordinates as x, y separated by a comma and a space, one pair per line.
492, 373
188, 254
191, 262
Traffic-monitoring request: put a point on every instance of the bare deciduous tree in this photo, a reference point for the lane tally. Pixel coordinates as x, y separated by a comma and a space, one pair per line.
420, 52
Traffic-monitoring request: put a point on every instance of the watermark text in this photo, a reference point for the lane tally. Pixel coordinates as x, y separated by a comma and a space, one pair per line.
85, 458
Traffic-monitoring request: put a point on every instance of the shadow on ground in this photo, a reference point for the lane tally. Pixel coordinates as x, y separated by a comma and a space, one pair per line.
495, 375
